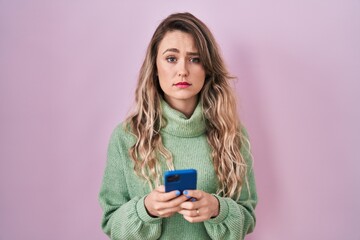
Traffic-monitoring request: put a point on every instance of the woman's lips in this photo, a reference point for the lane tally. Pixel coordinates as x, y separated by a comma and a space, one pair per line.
182, 84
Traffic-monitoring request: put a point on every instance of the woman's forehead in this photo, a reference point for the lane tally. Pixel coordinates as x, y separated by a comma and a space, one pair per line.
177, 41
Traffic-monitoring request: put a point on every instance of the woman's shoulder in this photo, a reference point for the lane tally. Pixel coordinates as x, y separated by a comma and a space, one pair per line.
243, 132
245, 141
122, 132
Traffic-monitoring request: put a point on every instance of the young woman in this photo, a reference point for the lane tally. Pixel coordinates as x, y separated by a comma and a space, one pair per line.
185, 117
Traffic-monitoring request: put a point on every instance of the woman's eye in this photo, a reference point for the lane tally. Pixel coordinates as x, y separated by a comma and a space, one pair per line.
195, 60
171, 59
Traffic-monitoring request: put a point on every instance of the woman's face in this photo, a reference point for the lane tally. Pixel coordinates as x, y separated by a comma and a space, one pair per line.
180, 72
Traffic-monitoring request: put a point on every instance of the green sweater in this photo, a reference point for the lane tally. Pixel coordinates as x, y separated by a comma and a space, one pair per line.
122, 193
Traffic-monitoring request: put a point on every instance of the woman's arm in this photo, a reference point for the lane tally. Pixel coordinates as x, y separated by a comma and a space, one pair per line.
123, 218
236, 218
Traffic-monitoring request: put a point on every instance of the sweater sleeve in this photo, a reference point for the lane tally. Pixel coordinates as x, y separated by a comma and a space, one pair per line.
123, 217
236, 217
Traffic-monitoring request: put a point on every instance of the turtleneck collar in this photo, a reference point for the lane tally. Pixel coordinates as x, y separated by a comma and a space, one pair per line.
178, 124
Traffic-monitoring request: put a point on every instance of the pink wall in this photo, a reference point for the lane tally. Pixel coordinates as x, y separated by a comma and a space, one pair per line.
67, 76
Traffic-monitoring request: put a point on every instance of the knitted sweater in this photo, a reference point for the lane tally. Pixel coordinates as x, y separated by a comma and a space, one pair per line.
122, 193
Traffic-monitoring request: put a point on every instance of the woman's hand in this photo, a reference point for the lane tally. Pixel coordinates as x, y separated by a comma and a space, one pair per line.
161, 204
201, 207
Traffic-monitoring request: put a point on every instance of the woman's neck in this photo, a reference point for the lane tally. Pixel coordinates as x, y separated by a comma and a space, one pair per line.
178, 124
186, 106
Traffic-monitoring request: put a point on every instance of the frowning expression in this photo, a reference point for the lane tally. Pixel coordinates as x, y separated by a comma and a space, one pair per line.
180, 72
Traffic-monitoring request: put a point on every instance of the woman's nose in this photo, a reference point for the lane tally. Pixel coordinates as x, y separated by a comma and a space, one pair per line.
183, 69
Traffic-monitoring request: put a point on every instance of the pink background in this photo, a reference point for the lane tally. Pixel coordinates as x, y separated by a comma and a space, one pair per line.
67, 76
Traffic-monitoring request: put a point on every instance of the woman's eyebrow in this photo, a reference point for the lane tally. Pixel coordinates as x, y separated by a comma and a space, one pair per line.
171, 50
177, 51
192, 53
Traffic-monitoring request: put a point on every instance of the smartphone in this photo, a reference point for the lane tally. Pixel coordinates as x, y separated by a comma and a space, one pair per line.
181, 180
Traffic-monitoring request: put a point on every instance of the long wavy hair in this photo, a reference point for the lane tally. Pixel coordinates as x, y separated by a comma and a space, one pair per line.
218, 104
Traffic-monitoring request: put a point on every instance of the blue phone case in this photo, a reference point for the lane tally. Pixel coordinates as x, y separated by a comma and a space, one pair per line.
180, 180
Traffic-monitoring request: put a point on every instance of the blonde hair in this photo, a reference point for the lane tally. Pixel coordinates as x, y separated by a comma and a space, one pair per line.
218, 103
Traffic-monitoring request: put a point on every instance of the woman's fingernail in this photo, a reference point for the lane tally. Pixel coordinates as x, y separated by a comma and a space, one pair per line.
177, 192
185, 192
193, 200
